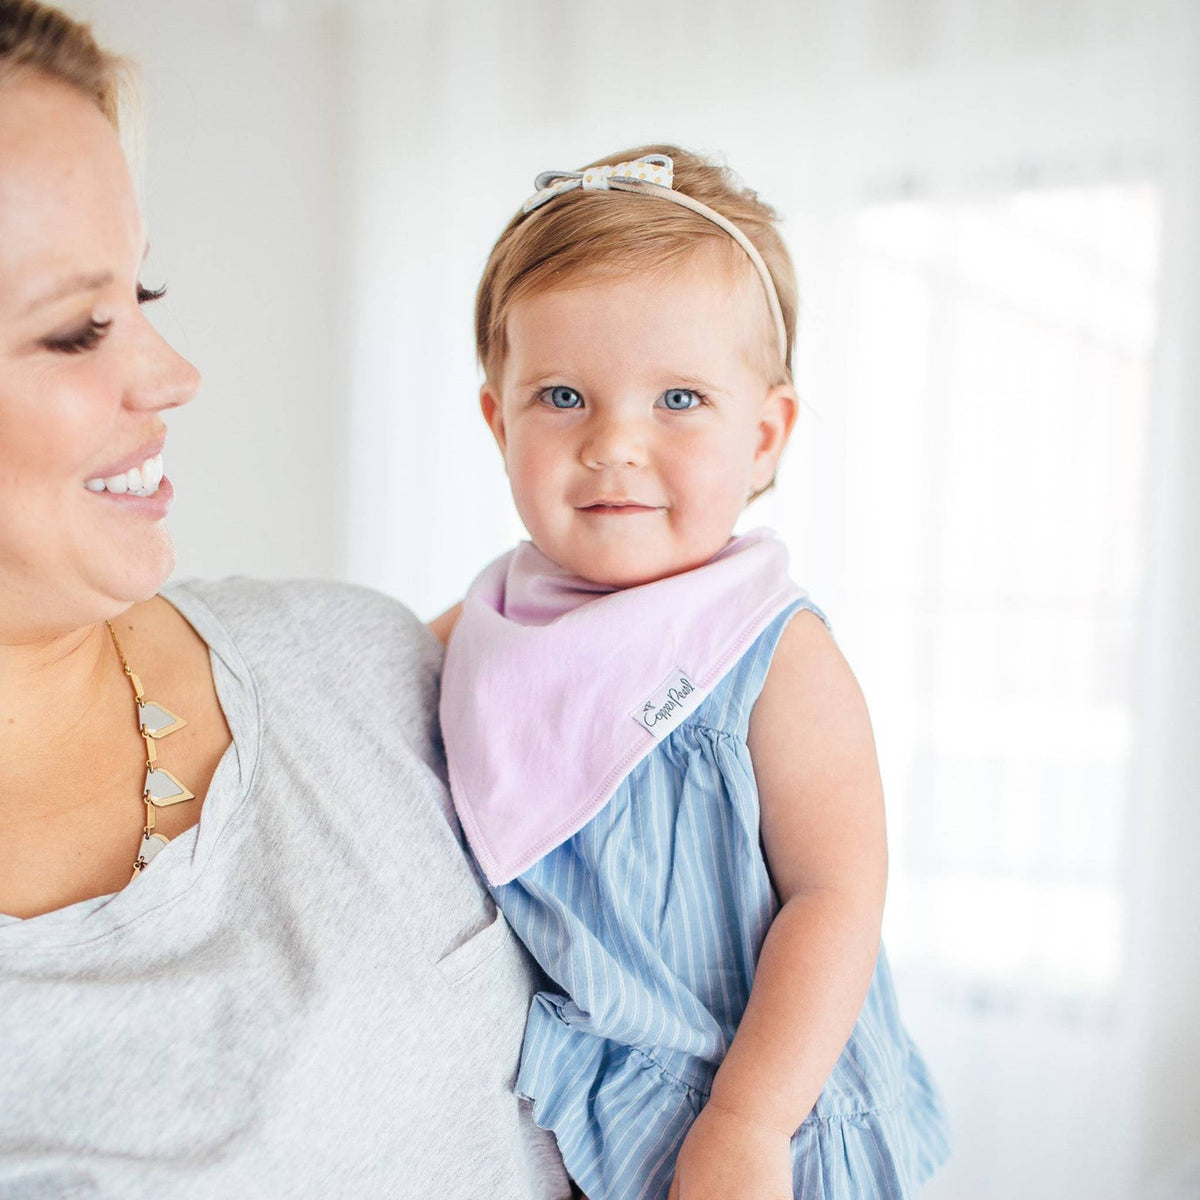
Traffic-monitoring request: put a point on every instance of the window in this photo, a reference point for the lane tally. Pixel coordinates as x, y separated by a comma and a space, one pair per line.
996, 415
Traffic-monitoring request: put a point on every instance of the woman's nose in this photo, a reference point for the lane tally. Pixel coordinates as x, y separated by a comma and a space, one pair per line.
164, 378
614, 442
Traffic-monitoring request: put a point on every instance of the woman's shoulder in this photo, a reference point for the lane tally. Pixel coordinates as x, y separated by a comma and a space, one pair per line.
304, 625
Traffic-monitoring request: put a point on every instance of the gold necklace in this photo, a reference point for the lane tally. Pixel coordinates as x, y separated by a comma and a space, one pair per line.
162, 788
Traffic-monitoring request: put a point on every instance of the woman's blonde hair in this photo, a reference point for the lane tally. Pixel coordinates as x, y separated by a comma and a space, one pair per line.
584, 234
36, 37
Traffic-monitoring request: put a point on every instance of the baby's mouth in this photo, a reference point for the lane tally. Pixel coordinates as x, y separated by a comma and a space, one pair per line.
617, 507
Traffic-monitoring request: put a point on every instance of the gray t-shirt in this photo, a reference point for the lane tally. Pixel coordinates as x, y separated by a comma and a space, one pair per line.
308, 994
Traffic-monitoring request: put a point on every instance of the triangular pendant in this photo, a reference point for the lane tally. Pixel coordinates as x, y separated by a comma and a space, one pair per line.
157, 720
152, 843
165, 789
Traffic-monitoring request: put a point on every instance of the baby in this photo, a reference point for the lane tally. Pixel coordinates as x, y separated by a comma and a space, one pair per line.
662, 763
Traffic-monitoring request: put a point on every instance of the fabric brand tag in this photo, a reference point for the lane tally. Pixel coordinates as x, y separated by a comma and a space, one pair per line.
669, 704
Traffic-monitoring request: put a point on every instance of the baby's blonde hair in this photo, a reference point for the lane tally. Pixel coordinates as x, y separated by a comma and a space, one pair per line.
581, 235
36, 37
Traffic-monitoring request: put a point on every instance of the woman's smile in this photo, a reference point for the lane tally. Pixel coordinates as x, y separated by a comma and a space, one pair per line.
138, 473
152, 504
135, 484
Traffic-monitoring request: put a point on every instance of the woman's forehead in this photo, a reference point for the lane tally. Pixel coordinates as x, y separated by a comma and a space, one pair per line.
68, 213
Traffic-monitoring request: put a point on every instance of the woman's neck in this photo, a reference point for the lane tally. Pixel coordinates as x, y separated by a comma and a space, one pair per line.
53, 688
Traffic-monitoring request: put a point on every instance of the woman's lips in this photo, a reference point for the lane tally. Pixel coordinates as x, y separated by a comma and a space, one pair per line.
155, 506
135, 458
140, 480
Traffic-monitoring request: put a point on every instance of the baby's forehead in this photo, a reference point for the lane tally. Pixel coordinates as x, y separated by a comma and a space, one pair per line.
706, 304
711, 262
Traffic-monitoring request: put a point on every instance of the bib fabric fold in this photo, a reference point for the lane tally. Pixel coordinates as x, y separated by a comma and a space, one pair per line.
555, 688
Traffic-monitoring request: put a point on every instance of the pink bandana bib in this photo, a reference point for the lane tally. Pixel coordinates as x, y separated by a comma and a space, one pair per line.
555, 688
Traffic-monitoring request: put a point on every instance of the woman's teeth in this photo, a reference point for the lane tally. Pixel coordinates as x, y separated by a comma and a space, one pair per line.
137, 481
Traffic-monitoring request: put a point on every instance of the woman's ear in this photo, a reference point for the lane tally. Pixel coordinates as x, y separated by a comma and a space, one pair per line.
776, 420
493, 413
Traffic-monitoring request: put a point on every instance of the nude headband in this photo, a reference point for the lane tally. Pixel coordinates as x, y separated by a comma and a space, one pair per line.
654, 175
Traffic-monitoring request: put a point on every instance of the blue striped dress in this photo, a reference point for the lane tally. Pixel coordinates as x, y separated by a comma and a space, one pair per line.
648, 922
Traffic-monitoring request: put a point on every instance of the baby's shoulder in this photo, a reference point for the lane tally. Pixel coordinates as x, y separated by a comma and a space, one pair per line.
810, 712
790, 642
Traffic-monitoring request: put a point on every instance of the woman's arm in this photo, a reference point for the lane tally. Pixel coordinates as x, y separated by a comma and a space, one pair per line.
823, 832
443, 626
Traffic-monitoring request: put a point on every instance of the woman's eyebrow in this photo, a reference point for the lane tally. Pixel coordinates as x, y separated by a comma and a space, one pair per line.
68, 287
76, 283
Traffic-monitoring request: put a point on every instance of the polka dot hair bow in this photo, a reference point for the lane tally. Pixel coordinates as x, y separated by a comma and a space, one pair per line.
654, 175
654, 168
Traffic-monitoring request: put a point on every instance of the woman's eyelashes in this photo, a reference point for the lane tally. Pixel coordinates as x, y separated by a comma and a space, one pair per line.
92, 332
674, 399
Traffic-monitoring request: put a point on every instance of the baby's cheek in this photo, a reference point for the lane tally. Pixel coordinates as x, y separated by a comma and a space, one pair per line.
719, 485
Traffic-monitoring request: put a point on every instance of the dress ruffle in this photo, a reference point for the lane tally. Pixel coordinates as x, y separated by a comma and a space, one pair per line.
878, 1154
620, 1116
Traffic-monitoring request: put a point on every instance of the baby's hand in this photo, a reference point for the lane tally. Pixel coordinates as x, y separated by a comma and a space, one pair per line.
726, 1157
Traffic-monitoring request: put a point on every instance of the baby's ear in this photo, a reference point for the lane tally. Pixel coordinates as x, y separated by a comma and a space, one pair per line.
775, 422
493, 413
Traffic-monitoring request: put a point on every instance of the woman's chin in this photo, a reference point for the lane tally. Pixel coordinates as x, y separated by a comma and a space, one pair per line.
128, 575
146, 571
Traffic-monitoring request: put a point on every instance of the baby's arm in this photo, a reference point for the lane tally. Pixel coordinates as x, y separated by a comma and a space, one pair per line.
823, 832
443, 626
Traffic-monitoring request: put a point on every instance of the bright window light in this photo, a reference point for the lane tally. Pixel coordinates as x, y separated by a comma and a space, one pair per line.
995, 442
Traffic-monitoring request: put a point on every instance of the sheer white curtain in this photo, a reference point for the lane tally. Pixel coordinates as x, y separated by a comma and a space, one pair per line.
993, 209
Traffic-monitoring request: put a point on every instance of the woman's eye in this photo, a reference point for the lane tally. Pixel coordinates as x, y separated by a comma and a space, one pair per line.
564, 397
679, 399
79, 340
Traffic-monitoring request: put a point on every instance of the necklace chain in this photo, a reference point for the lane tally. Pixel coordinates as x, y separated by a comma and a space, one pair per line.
112, 633
161, 789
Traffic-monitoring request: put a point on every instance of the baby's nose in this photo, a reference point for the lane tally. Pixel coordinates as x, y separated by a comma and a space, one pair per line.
615, 443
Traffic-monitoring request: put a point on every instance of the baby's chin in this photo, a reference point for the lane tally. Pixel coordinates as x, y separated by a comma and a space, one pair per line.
619, 571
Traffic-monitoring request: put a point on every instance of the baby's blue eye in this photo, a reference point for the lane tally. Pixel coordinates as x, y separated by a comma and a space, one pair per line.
565, 397
679, 399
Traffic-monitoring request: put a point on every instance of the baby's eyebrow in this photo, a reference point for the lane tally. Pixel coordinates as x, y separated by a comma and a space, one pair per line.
694, 381
542, 377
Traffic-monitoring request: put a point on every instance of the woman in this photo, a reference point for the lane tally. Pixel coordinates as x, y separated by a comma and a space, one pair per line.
303, 989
